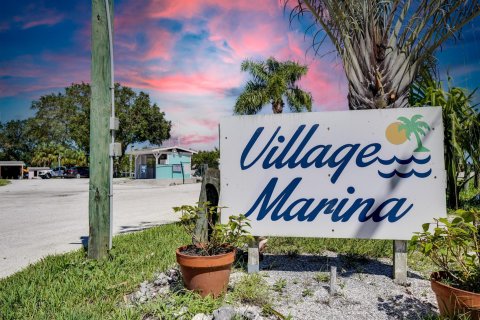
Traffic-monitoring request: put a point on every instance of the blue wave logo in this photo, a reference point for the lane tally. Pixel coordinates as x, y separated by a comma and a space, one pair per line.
397, 173
405, 161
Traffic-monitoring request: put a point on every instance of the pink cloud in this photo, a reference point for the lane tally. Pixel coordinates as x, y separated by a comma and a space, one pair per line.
39, 16
196, 139
161, 44
207, 123
195, 83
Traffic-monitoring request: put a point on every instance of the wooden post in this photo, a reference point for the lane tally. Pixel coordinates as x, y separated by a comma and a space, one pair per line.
99, 202
400, 261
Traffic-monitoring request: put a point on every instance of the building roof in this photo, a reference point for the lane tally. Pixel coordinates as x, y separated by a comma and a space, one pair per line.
160, 150
12, 163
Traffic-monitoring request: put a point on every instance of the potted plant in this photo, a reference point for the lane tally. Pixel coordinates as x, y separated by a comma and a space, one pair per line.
205, 266
453, 245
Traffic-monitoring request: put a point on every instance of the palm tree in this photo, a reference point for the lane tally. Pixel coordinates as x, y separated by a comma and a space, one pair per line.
46, 154
272, 81
382, 44
461, 124
414, 126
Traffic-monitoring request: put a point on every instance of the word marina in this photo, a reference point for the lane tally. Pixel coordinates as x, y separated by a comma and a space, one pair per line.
280, 152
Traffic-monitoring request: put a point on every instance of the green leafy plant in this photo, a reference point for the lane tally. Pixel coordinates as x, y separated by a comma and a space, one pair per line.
222, 238
453, 244
307, 293
279, 285
321, 277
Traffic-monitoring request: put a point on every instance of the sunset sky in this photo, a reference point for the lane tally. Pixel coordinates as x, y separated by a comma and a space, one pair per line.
185, 54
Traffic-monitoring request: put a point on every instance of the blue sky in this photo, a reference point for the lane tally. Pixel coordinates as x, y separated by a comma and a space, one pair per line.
185, 54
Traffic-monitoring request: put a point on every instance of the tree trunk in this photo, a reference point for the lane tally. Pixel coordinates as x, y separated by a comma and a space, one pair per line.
277, 107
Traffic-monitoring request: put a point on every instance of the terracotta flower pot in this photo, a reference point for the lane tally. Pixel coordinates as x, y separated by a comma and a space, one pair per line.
206, 274
452, 301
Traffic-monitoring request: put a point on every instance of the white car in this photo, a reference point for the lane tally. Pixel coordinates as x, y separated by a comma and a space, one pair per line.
45, 174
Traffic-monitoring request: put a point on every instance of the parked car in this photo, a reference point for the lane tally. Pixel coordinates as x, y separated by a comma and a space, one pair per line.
77, 172
59, 171
45, 174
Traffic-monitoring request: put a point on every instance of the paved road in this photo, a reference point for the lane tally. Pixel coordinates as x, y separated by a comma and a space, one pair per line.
42, 217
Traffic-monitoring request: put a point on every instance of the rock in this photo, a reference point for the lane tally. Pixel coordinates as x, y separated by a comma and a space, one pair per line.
173, 274
202, 316
162, 280
224, 313
251, 314
180, 312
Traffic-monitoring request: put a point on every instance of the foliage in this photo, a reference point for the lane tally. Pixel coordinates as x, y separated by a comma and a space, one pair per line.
252, 289
4, 182
382, 44
140, 120
15, 141
280, 285
234, 233
321, 277
209, 158
47, 155
454, 246
272, 82
64, 119
461, 124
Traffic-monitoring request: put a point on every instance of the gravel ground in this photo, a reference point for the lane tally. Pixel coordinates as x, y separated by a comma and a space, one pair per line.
365, 290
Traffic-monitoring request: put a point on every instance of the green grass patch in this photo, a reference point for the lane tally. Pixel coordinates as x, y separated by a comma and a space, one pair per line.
252, 289
4, 182
361, 247
69, 286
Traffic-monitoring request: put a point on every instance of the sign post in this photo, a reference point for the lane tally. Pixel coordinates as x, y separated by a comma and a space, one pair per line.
370, 174
99, 189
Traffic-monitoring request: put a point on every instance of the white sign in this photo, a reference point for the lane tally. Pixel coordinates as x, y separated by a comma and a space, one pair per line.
375, 174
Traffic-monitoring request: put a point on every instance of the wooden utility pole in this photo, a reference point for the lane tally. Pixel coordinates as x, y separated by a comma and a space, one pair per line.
100, 108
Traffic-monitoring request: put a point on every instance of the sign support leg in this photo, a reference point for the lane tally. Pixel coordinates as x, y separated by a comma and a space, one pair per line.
253, 257
400, 261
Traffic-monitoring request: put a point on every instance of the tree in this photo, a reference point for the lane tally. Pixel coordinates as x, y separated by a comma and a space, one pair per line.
415, 127
209, 158
52, 120
16, 143
46, 155
272, 82
382, 44
63, 118
461, 124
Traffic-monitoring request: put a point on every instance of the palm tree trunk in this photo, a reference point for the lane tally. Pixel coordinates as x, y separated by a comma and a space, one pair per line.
277, 107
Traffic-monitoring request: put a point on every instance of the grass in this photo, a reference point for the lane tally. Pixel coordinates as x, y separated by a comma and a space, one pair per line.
280, 285
69, 286
361, 247
321, 277
252, 289
4, 182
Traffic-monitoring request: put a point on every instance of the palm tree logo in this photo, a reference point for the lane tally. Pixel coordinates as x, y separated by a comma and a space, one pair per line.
416, 127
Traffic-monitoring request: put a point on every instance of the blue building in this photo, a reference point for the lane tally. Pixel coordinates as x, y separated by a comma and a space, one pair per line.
171, 164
